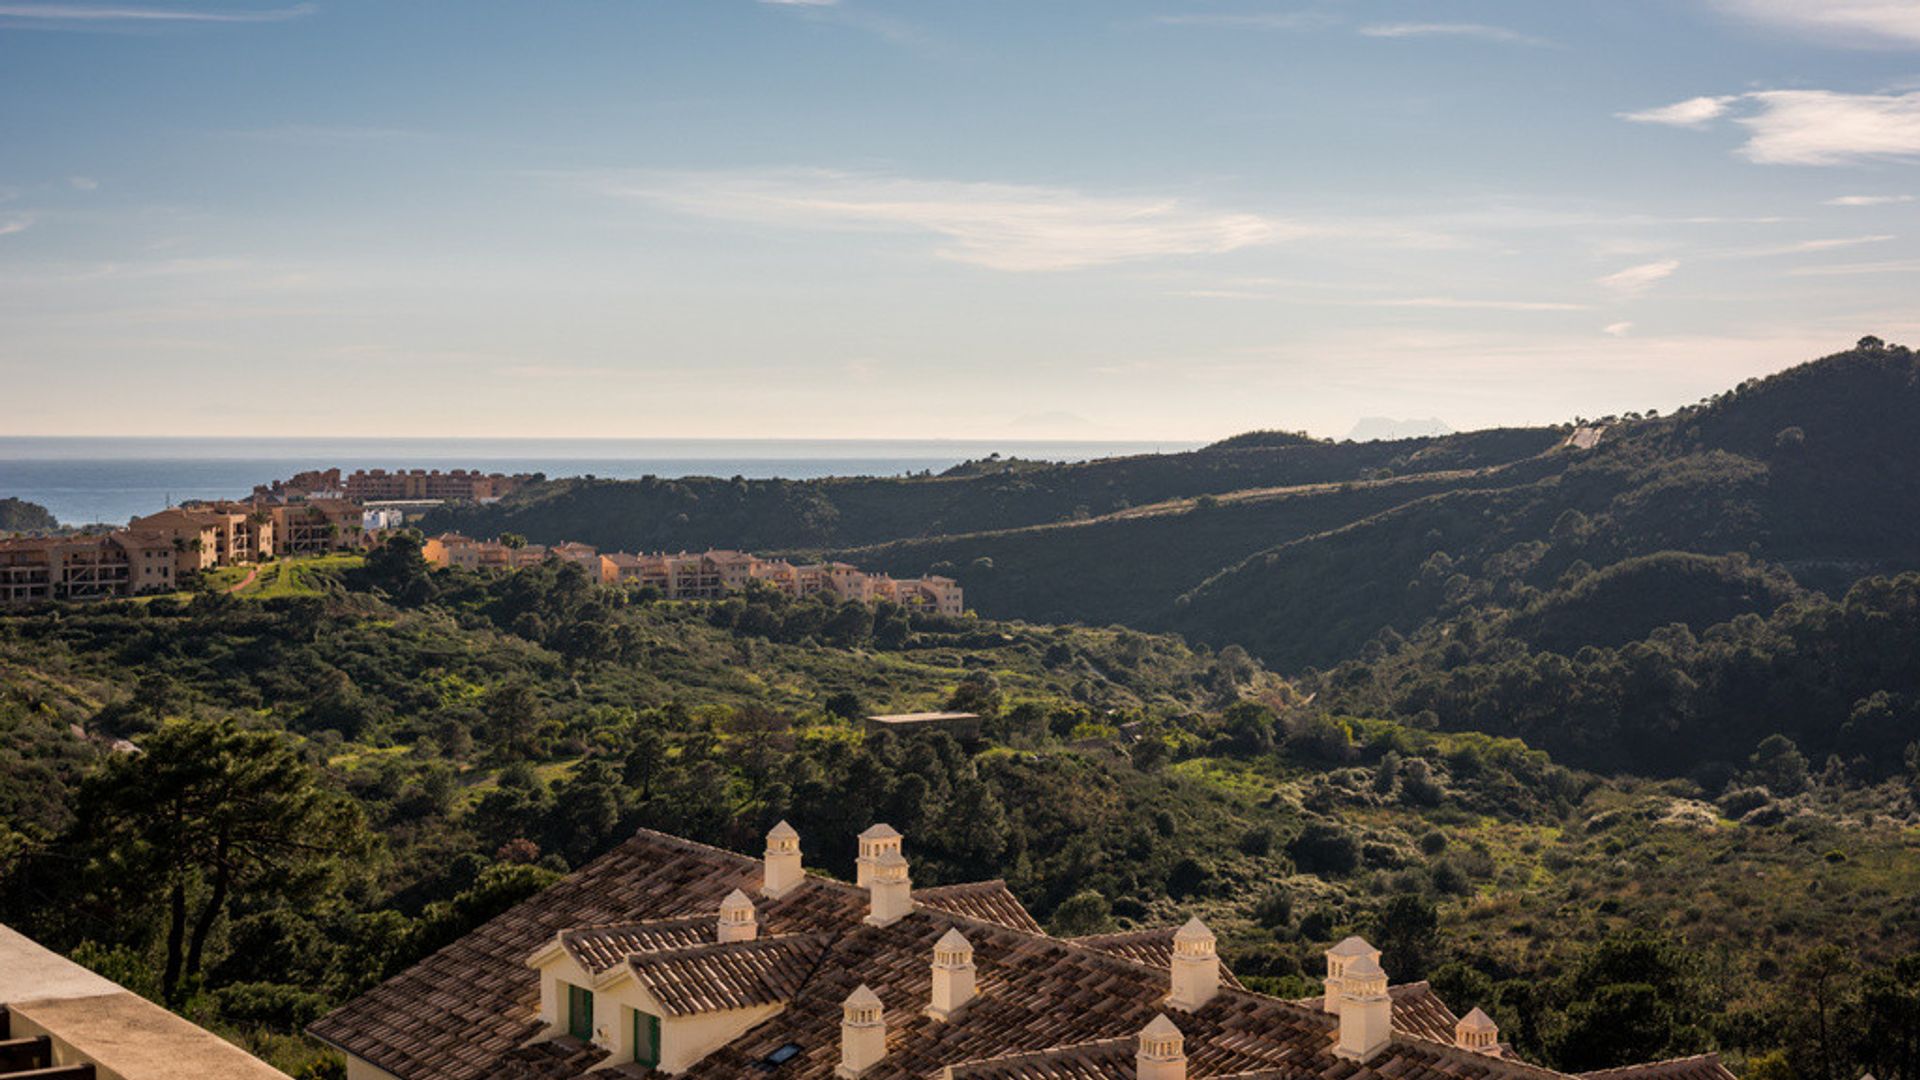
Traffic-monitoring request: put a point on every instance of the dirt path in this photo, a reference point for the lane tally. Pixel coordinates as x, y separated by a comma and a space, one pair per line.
252, 574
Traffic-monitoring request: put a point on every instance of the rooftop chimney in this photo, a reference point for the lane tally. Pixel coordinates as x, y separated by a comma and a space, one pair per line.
737, 922
952, 975
1163, 1054
863, 1033
1196, 967
783, 870
890, 890
1338, 958
1476, 1031
1366, 1012
875, 842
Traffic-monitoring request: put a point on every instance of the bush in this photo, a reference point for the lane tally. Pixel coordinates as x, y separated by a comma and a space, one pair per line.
1325, 848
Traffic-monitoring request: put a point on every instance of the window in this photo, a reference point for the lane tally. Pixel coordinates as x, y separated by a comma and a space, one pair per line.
646, 1039
777, 1058
580, 1013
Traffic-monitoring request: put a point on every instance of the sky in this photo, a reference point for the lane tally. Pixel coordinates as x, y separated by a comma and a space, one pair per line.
1125, 219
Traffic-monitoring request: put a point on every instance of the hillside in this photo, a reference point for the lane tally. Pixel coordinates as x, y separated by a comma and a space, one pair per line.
1805, 470
18, 515
766, 515
469, 737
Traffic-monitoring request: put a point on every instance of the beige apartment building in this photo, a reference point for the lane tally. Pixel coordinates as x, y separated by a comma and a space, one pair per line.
316, 527
706, 575
214, 534
42, 569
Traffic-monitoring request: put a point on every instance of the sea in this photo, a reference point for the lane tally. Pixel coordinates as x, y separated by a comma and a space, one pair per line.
88, 480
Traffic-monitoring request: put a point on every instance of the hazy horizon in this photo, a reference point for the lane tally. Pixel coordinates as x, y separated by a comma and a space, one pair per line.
1176, 219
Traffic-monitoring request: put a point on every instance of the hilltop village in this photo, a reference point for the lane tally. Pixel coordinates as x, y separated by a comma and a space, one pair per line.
319, 513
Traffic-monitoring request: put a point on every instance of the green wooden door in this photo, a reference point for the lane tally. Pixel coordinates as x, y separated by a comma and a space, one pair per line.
580, 1013
646, 1039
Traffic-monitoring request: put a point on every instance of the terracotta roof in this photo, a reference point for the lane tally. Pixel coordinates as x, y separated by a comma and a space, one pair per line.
1154, 948
451, 1016
1699, 1067
736, 975
988, 901
1046, 1009
599, 948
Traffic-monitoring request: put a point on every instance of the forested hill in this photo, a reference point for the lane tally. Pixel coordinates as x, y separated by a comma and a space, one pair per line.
764, 515
1807, 470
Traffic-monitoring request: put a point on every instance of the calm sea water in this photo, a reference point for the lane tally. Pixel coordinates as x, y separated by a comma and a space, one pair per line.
112, 480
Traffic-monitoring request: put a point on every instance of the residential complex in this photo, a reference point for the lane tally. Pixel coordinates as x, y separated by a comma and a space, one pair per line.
671, 957
707, 575
155, 553
370, 485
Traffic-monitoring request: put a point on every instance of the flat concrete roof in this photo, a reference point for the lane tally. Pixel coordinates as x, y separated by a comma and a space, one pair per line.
921, 717
94, 1019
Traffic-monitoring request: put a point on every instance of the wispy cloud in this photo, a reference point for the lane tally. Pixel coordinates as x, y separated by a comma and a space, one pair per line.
1273, 20
1458, 304
1479, 31
1834, 243
83, 183
9, 226
1877, 24
1010, 227
1693, 112
1868, 200
1619, 329
1807, 127
1891, 266
1635, 280
89, 13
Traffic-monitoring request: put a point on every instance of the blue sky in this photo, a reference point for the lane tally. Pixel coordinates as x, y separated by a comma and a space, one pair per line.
972, 219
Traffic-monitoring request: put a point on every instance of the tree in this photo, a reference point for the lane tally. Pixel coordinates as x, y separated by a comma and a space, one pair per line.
1084, 913
1407, 932
208, 812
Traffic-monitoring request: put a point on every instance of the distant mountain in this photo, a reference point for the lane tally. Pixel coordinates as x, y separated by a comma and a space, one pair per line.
1370, 428
18, 515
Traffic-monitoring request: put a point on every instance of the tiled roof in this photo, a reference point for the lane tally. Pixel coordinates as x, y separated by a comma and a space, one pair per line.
1699, 1067
736, 975
1417, 1011
1154, 948
1046, 1009
451, 1016
598, 948
988, 901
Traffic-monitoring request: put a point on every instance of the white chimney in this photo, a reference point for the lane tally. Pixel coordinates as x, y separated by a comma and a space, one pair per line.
1476, 1031
783, 870
1366, 1012
875, 842
737, 922
863, 1033
1338, 958
1196, 967
1163, 1054
890, 890
952, 975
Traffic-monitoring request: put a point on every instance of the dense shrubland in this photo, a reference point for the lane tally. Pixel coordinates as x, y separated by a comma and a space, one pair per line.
469, 738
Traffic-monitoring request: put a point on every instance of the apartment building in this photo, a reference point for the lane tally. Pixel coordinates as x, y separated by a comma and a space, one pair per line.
670, 957
42, 569
712, 574
317, 527
363, 485
206, 535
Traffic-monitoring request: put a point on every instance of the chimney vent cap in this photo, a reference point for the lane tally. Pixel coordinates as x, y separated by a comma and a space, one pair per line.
955, 941
1477, 1021
1365, 967
880, 832
1160, 1027
863, 997
783, 831
1353, 947
1194, 930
